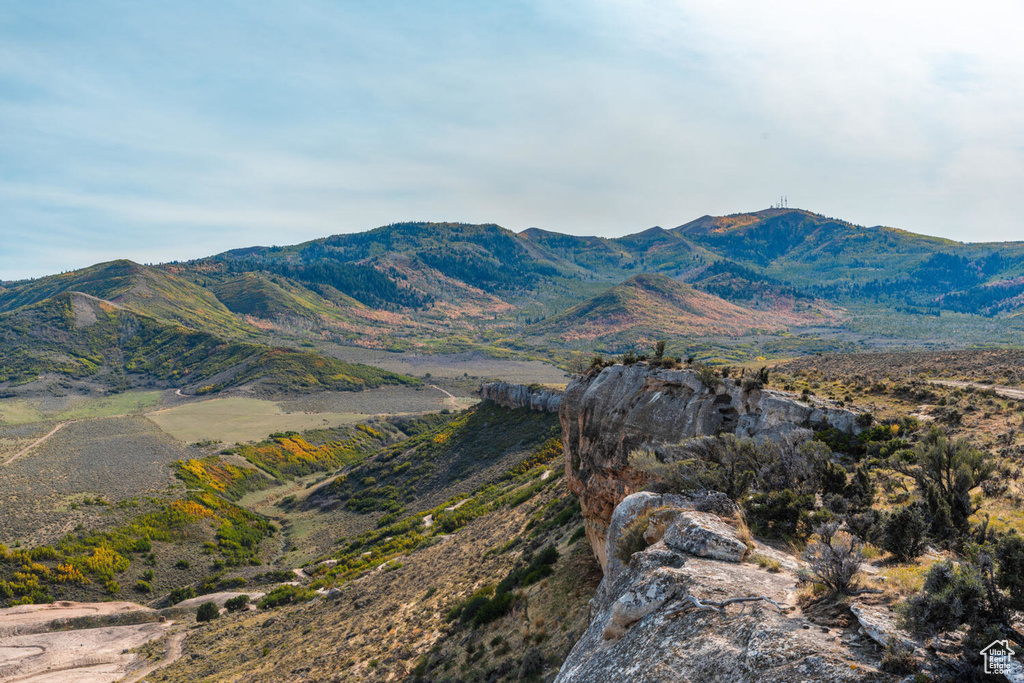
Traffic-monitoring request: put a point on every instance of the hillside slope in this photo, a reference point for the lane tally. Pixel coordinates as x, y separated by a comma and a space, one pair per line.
837, 259
646, 308
143, 289
80, 336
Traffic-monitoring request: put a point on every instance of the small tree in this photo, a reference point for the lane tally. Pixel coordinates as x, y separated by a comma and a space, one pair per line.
946, 471
208, 611
578, 363
832, 476
1010, 575
953, 595
834, 558
903, 532
659, 349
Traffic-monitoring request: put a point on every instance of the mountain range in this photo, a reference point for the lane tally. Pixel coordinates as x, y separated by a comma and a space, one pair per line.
785, 280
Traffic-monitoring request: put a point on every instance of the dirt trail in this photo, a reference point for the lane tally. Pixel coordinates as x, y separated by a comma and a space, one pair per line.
453, 400
171, 655
38, 441
1005, 392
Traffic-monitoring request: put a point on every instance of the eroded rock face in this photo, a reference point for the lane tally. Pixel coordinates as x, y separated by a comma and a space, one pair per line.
625, 408
643, 631
521, 396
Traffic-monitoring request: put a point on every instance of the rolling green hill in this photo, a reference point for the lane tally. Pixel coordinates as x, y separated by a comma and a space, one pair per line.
836, 259
269, 296
144, 289
80, 336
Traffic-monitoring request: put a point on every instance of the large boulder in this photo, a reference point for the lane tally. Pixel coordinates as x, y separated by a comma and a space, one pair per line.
705, 535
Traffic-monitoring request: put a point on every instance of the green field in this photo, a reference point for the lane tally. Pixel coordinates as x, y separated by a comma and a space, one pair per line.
27, 410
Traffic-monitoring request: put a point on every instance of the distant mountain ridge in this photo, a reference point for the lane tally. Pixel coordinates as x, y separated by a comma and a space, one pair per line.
434, 287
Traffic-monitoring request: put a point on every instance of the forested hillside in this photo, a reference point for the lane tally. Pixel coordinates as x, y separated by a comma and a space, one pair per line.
779, 281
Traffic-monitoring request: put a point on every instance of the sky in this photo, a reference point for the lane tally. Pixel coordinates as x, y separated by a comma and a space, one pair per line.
166, 130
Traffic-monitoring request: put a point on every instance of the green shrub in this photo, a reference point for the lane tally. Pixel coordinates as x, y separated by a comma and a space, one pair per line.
777, 513
861, 490
953, 595
539, 568
902, 533
832, 477
864, 525
239, 602
143, 586
182, 564
1010, 575
707, 376
208, 611
532, 663
471, 607
285, 595
183, 593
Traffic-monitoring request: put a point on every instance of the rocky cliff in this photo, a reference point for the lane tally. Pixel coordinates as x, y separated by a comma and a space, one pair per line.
687, 608
623, 408
541, 399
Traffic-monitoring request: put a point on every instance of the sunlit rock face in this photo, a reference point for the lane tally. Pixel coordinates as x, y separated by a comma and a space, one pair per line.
623, 408
514, 396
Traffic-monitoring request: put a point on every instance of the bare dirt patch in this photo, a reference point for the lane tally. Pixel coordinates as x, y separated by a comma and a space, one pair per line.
25, 618
238, 419
92, 655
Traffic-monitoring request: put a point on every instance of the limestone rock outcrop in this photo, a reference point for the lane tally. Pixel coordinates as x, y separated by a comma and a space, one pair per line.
704, 535
508, 395
648, 624
623, 408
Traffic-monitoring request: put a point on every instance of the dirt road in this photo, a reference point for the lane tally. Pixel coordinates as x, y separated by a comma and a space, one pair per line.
38, 441
171, 655
1005, 392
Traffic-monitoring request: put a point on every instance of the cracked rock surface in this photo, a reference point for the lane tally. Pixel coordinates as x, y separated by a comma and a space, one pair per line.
644, 630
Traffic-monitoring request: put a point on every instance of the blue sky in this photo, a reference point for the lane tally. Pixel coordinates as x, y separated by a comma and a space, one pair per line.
171, 130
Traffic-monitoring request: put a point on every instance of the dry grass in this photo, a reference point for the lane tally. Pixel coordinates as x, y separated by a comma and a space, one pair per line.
237, 419
765, 562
